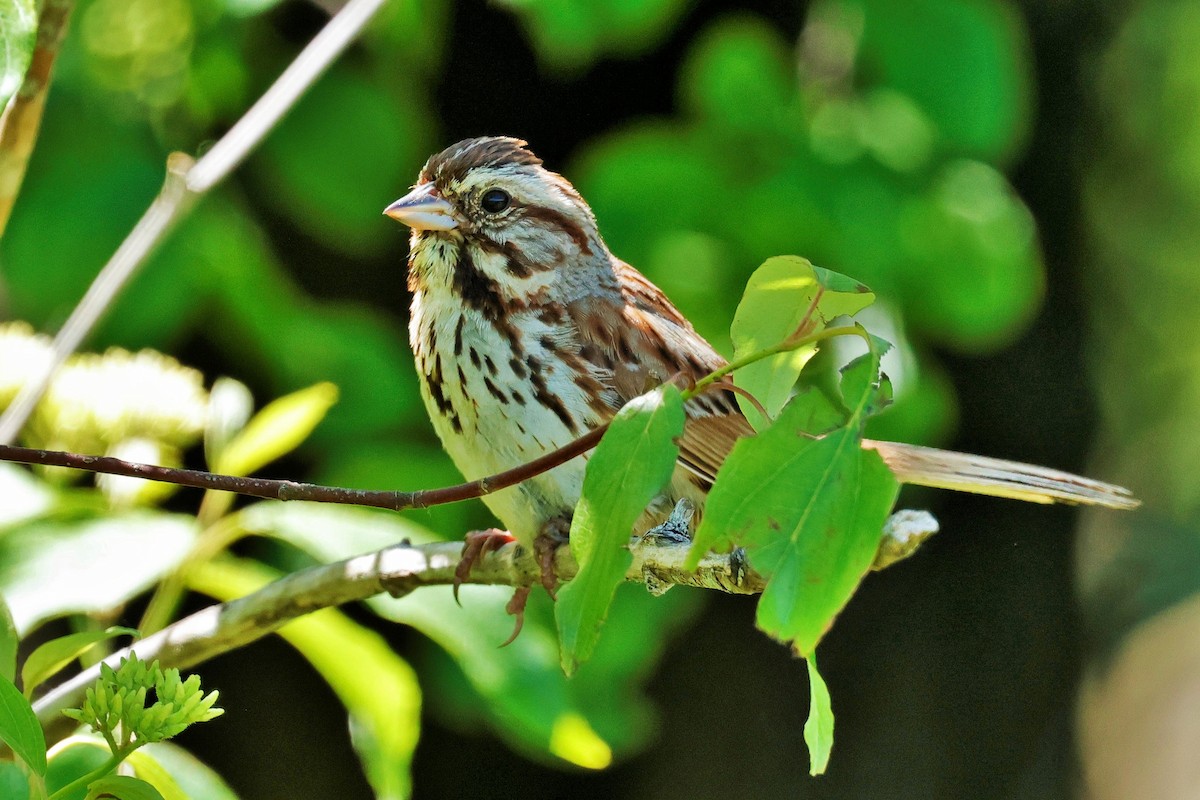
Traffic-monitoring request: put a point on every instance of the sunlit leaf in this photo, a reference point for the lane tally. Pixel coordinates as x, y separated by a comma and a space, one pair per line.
20, 729
52, 568
785, 296
9, 639
73, 758
277, 429
379, 689
122, 787
630, 466
170, 768
818, 729
18, 32
24, 495
55, 654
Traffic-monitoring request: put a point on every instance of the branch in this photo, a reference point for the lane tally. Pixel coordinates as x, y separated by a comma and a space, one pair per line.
292, 490
23, 118
404, 567
397, 570
186, 182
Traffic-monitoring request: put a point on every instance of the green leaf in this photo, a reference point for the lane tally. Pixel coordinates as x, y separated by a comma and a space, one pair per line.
73, 758
632, 463
14, 781
9, 639
808, 509
18, 34
55, 654
19, 727
277, 430
785, 296
122, 787
177, 774
153, 773
50, 568
818, 729
378, 688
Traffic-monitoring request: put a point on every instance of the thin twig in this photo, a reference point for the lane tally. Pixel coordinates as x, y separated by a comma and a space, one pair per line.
23, 118
186, 182
292, 490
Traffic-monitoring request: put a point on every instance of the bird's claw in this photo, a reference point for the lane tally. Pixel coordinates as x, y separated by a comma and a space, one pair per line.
477, 545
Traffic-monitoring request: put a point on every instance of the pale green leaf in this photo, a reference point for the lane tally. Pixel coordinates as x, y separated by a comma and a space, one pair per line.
818, 729
18, 34
277, 430
786, 296
632, 464
177, 774
50, 568
9, 639
55, 654
19, 727
379, 689
25, 497
121, 787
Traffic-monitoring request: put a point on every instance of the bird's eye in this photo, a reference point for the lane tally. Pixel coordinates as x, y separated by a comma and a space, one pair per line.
494, 201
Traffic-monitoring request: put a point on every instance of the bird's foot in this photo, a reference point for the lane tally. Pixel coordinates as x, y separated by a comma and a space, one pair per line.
516, 608
675, 529
554, 535
477, 545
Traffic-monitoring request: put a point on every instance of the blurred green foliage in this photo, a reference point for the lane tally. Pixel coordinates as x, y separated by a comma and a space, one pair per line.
874, 144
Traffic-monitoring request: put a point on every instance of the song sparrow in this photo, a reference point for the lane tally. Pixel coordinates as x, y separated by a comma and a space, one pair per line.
528, 332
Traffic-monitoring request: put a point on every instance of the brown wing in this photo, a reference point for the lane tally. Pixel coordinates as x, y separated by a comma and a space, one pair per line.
640, 341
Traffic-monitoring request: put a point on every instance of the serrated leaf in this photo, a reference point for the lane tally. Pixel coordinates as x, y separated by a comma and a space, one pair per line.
818, 728
629, 467
9, 639
277, 430
121, 787
18, 35
808, 509
55, 654
379, 689
19, 727
784, 296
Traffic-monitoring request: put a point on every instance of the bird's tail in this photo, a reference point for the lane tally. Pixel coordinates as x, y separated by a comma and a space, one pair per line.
945, 469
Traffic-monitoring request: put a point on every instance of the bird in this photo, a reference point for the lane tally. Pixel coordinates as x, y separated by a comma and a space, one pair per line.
528, 332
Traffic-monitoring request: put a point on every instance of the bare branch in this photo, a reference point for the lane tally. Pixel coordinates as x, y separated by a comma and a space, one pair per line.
292, 490
186, 182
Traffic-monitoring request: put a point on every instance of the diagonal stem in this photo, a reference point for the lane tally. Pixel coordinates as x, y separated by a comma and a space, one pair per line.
186, 182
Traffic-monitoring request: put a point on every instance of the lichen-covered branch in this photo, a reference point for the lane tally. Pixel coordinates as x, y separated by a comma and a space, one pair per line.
397, 570
403, 568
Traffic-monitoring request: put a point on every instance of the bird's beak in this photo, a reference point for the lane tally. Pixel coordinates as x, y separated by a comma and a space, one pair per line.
422, 210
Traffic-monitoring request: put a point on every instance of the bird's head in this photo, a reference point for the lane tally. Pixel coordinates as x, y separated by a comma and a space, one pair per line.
492, 194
